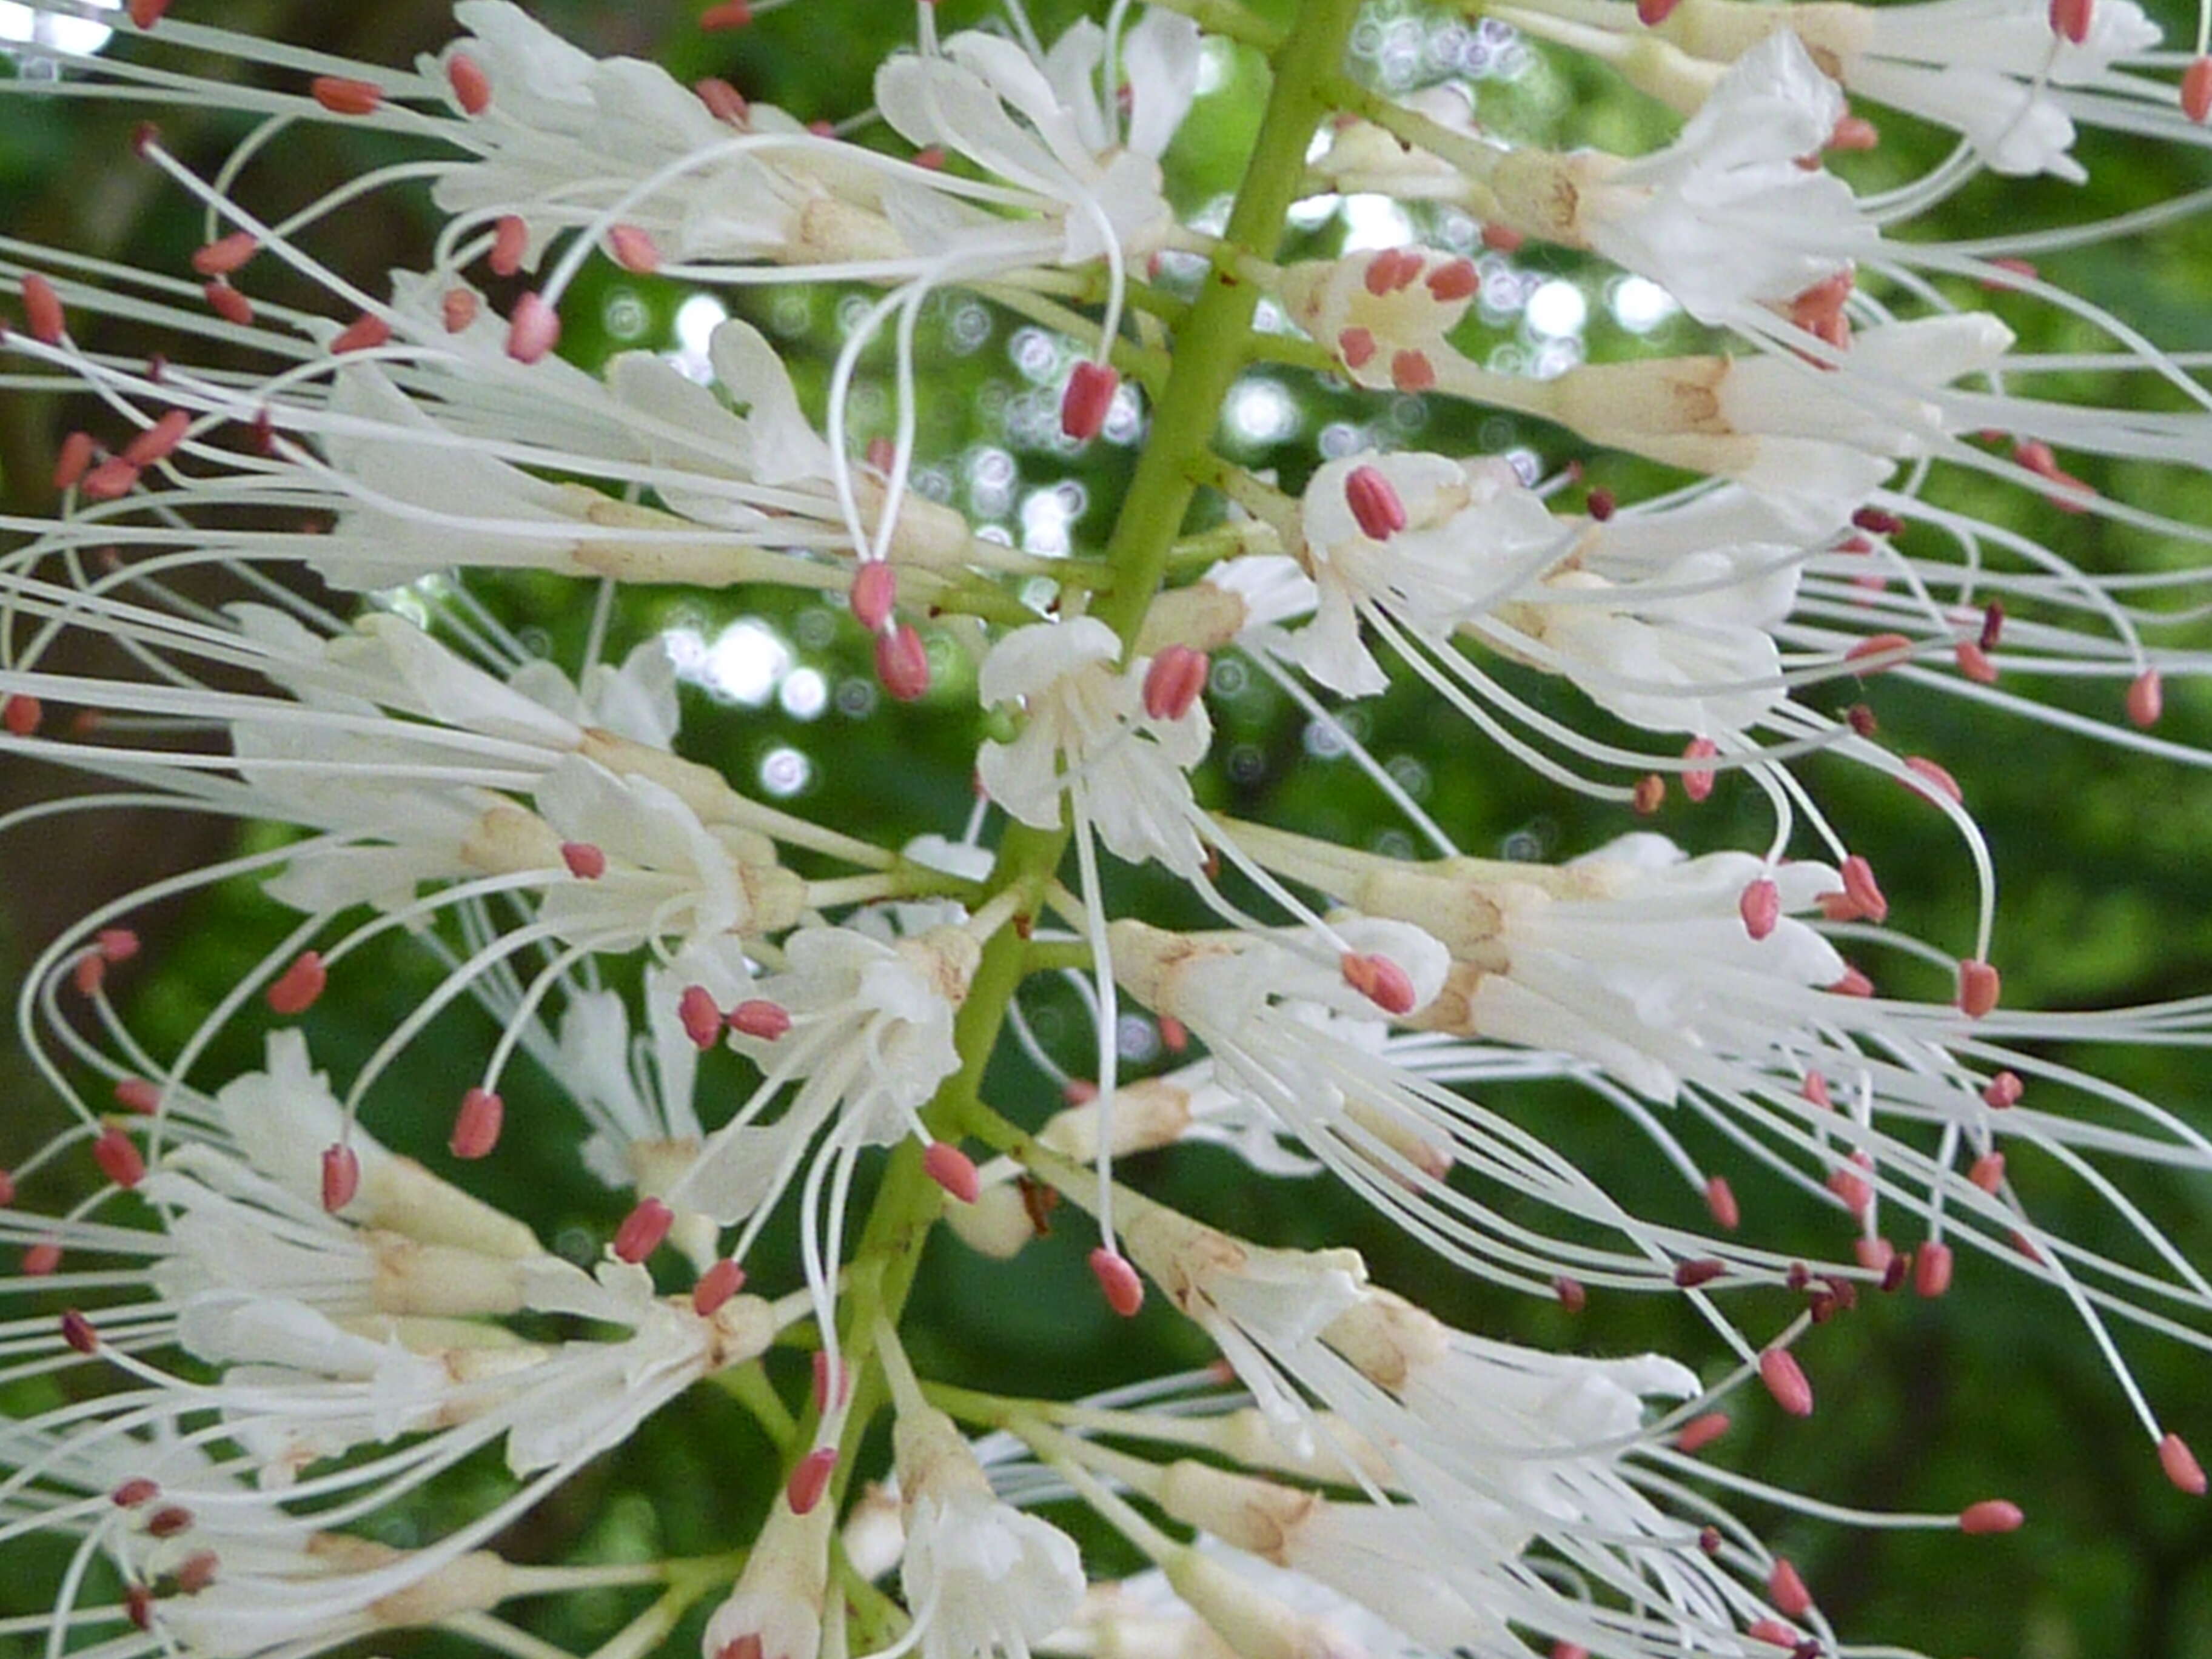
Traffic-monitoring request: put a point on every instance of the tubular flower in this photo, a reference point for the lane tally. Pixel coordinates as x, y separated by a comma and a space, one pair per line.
1091, 735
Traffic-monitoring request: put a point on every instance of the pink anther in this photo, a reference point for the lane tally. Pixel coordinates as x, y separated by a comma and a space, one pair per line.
1787, 1590
477, 1124
1700, 1432
1760, 906
2070, 18
2196, 90
759, 1018
1785, 1380
1088, 400
226, 254
1375, 503
1991, 1515
228, 303
902, 662
811, 1479
1931, 1270
874, 594
2145, 698
472, 86
1174, 681
1937, 776
701, 1017
716, 1285
634, 249
294, 990
119, 1158
341, 1177
642, 1230
1380, 980
1696, 785
1863, 891
1979, 985
1720, 1200
342, 95
1117, 1280
533, 329
365, 333
42, 310
952, 1170
2181, 1466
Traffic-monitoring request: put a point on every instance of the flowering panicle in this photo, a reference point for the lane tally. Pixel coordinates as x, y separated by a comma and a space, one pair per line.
305, 1313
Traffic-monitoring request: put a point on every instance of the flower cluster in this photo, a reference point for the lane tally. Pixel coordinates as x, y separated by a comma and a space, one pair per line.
307, 1316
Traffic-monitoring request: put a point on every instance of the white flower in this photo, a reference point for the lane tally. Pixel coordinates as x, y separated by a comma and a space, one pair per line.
774, 1609
1811, 443
1257, 1304
1639, 959
1996, 72
297, 1388
571, 136
1430, 543
283, 1118
1725, 215
982, 1578
1089, 734
1689, 649
666, 873
864, 1037
1044, 126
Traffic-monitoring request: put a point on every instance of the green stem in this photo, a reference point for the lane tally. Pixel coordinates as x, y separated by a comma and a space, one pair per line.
749, 1386
1232, 21
1149, 368
1046, 956
1210, 353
